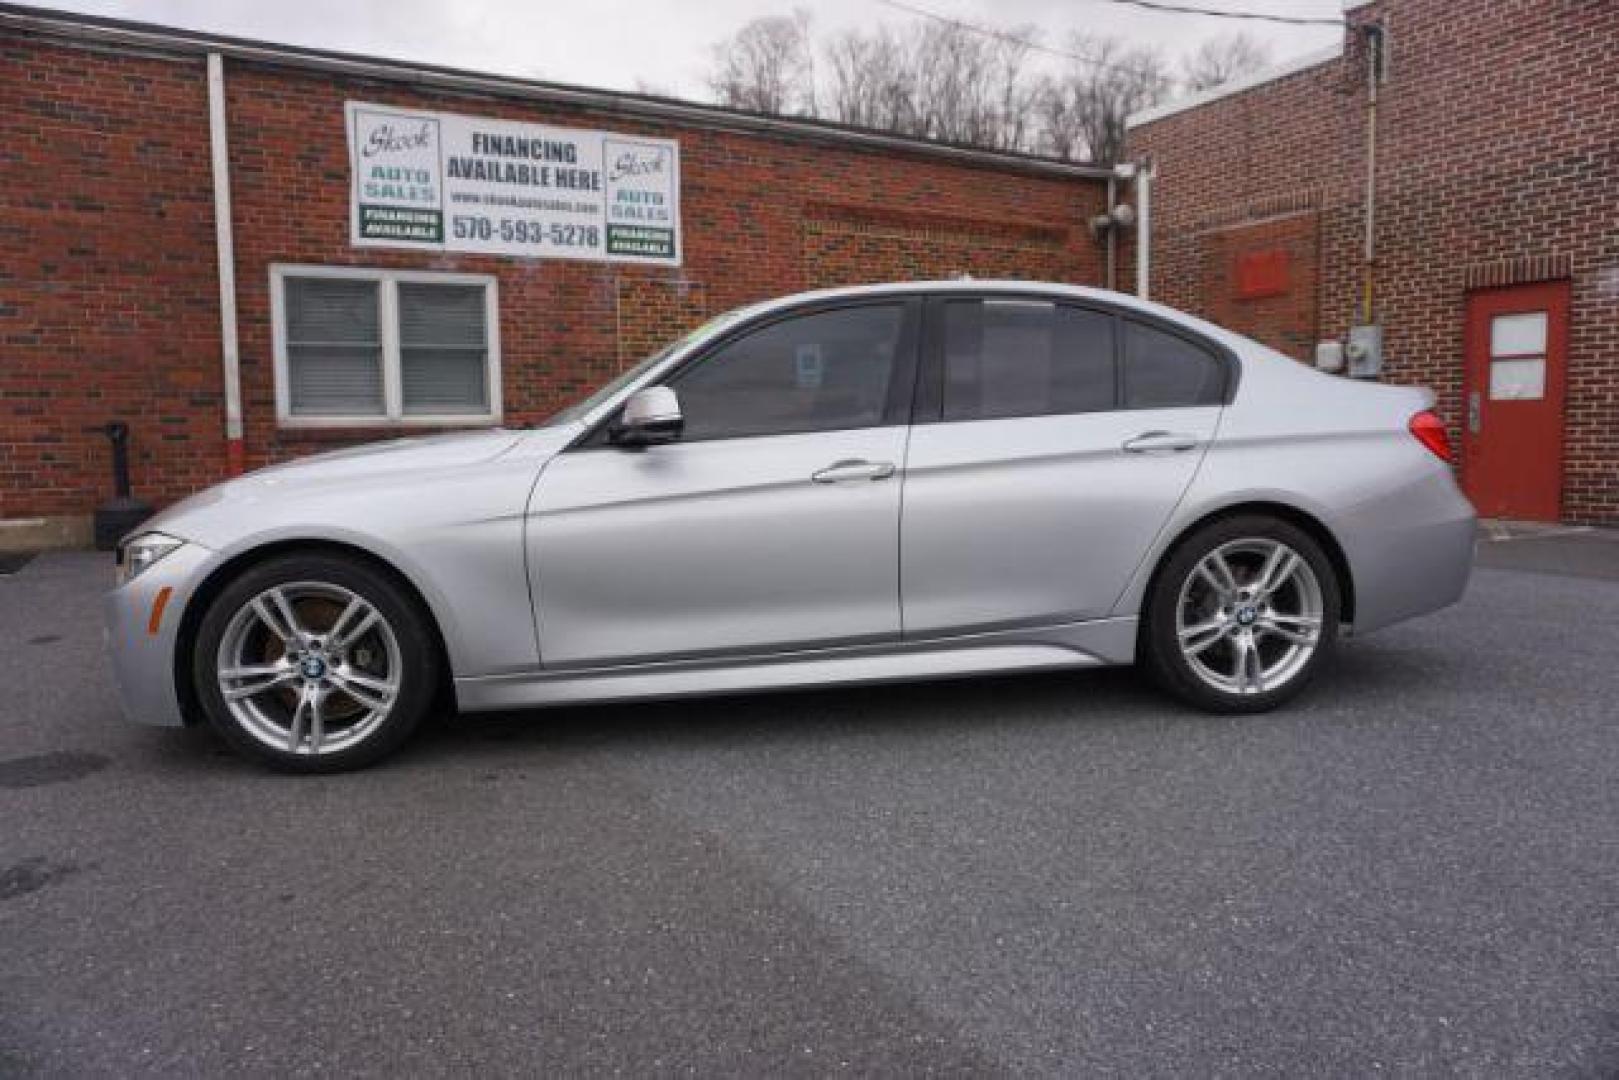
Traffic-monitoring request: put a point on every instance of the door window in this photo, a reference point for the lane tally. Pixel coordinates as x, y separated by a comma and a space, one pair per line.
1518, 357
1165, 371
826, 371
1025, 358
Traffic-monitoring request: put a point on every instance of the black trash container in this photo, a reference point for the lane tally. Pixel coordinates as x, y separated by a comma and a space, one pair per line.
121, 513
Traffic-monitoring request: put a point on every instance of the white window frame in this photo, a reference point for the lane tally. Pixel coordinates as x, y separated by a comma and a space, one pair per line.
388, 281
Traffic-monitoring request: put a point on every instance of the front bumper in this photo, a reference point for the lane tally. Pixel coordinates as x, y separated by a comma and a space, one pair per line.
141, 647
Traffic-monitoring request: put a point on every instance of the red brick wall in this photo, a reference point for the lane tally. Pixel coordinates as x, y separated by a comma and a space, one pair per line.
1282, 314
1498, 143
110, 307
843, 245
108, 292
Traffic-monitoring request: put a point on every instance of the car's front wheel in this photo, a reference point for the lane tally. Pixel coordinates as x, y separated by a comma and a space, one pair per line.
1241, 615
314, 663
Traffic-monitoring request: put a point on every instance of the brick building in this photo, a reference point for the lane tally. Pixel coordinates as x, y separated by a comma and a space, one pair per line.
1494, 185
111, 298
1495, 256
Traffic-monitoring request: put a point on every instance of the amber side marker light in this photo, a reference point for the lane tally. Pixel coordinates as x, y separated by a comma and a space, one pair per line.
1429, 430
159, 603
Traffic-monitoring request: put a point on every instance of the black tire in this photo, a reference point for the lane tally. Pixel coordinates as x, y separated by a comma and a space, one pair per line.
418, 659
1160, 645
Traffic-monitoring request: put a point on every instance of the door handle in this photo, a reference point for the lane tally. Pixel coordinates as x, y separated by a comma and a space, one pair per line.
1159, 442
853, 469
1475, 417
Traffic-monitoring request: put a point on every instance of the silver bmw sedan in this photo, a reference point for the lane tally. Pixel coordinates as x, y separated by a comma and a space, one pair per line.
858, 485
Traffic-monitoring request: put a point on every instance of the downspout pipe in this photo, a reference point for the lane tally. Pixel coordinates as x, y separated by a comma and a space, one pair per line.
1111, 278
1374, 74
1144, 175
225, 245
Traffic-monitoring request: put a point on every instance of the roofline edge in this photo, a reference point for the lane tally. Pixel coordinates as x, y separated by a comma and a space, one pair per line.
1236, 86
50, 22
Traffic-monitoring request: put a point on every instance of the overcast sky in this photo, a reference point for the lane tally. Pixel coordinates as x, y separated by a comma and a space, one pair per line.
623, 44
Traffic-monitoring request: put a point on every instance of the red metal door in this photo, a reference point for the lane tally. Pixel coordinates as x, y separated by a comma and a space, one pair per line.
1512, 444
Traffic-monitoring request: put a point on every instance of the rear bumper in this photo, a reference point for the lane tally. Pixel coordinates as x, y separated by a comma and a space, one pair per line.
1410, 551
141, 649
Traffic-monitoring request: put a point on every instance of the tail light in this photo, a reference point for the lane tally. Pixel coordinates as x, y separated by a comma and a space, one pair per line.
1429, 430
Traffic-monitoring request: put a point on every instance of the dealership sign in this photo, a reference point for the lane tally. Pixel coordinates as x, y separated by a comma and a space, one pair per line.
442, 182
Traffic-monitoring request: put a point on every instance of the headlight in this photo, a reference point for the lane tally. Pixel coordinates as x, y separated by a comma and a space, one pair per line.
139, 553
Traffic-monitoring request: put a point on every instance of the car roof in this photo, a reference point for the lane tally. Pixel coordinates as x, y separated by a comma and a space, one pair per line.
981, 286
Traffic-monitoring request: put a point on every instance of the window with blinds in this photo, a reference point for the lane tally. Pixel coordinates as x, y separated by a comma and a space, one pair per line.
334, 347
380, 347
442, 352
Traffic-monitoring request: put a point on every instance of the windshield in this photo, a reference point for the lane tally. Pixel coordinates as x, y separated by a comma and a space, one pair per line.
581, 408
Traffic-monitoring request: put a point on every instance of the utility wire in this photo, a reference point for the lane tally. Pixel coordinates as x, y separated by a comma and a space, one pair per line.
1256, 16
1014, 39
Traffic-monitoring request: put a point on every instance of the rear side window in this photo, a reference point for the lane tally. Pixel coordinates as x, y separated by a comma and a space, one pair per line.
1164, 371
1006, 358
820, 372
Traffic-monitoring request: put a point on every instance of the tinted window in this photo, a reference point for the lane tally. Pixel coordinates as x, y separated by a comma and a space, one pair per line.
817, 372
1163, 371
1025, 358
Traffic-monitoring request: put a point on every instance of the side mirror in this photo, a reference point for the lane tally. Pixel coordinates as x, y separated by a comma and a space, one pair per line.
651, 415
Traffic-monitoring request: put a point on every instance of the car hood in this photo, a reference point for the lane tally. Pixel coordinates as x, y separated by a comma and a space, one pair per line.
355, 472
395, 455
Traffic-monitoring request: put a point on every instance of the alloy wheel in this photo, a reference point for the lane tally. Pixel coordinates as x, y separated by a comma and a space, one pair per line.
309, 668
1249, 616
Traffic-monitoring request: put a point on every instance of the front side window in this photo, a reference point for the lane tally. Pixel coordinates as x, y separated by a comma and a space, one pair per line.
826, 371
1005, 358
368, 347
1165, 371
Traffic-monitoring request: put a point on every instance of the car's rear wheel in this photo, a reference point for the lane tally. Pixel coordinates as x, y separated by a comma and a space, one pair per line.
1242, 615
314, 663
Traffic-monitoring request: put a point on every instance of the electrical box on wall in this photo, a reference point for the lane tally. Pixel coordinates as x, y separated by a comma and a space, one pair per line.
1329, 356
1364, 351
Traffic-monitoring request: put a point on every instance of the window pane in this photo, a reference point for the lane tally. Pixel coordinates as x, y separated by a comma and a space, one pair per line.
1517, 380
1517, 335
817, 372
442, 352
441, 314
439, 381
1163, 371
323, 311
334, 380
1017, 358
334, 347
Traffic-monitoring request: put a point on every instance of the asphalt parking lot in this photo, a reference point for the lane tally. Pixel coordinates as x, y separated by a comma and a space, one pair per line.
1414, 870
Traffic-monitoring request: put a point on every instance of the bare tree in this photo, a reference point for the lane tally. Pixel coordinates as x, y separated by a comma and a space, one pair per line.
1220, 60
767, 66
945, 80
1013, 89
951, 65
937, 80
1082, 111
1056, 122
872, 81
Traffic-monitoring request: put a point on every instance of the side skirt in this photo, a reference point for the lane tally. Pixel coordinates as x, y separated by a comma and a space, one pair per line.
1095, 643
